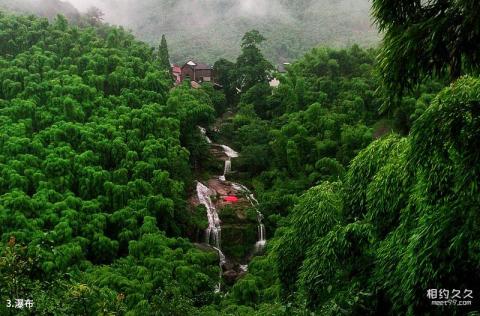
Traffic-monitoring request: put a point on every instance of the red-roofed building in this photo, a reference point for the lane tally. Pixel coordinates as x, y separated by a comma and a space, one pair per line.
197, 72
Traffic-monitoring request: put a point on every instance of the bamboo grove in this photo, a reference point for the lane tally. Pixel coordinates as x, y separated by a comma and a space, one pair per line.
366, 170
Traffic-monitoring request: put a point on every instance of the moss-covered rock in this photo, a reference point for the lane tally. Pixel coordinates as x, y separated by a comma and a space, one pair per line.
239, 231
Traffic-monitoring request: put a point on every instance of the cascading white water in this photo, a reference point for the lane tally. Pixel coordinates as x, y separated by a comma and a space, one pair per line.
228, 167
262, 239
204, 133
260, 245
226, 170
230, 153
222, 260
213, 234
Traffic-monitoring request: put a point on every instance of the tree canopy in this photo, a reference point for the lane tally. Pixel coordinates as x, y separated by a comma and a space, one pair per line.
163, 55
365, 210
425, 39
97, 154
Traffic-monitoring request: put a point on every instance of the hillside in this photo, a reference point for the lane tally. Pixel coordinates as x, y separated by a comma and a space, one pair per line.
44, 8
94, 171
211, 29
351, 187
208, 30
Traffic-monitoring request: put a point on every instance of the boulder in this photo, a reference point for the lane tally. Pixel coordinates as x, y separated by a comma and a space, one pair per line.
230, 276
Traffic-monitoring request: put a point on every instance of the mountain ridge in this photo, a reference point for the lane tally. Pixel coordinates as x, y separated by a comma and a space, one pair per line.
207, 30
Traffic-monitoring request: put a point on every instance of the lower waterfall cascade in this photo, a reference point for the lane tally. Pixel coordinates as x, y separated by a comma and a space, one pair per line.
213, 233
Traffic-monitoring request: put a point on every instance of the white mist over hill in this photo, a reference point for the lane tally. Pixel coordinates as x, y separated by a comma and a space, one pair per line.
211, 29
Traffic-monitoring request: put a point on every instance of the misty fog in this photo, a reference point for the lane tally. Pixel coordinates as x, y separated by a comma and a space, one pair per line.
125, 12
212, 29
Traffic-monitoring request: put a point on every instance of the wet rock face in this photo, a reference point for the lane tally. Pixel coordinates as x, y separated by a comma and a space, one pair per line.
218, 152
222, 189
239, 227
233, 218
239, 223
230, 276
228, 266
232, 273
238, 239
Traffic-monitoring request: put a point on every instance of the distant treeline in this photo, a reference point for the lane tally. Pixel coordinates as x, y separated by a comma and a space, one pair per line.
209, 30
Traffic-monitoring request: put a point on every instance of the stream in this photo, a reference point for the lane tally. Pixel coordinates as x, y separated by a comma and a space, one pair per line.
260, 245
213, 233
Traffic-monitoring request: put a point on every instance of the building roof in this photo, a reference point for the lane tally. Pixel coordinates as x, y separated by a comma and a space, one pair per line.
198, 66
203, 67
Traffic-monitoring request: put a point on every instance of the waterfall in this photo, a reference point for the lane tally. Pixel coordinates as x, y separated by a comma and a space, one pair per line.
222, 260
260, 245
204, 133
227, 169
213, 234
230, 153
261, 232
262, 239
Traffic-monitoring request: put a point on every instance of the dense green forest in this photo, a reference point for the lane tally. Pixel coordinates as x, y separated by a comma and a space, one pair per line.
193, 27
95, 165
365, 164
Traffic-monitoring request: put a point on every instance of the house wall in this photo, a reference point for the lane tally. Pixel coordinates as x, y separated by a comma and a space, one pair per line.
187, 71
204, 73
199, 75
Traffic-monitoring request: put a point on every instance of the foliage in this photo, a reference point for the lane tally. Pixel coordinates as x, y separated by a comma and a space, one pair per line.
362, 171
308, 129
163, 55
315, 214
434, 243
98, 151
335, 272
429, 38
225, 76
210, 30
405, 220
96, 158
251, 67
401, 221
217, 97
